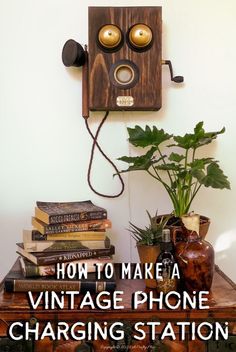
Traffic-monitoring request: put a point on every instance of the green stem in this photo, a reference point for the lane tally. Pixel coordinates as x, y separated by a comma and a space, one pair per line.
195, 188
191, 178
189, 183
157, 177
151, 174
164, 162
196, 191
186, 159
172, 196
194, 194
193, 157
181, 191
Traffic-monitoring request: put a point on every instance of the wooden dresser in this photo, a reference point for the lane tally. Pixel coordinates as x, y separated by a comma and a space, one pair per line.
222, 301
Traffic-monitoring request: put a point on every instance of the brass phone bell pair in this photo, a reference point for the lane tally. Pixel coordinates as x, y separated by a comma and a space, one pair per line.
139, 36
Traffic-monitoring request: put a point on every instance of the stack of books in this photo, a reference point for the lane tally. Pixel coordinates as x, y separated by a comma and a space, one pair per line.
70, 237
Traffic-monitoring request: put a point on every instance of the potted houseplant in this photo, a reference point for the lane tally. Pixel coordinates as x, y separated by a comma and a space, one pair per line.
148, 241
172, 161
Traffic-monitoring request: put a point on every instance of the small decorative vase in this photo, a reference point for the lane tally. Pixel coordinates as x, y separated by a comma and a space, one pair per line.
195, 258
149, 254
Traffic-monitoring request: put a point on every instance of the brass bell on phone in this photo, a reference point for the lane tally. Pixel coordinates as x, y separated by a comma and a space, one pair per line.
109, 36
140, 36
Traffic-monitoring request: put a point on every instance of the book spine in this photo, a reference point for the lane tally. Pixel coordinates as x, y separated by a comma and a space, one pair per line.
62, 257
35, 270
56, 246
73, 227
82, 216
32, 270
97, 286
37, 236
69, 236
83, 226
14, 285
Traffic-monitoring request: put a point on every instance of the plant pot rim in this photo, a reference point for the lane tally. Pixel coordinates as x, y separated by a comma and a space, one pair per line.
204, 225
147, 245
203, 218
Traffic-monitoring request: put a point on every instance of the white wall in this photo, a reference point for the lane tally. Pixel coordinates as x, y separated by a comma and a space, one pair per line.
44, 147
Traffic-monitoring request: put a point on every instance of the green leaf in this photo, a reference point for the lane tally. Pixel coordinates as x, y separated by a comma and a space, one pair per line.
198, 129
144, 138
196, 139
142, 162
208, 138
185, 142
176, 157
215, 177
199, 175
200, 163
151, 234
213, 135
169, 167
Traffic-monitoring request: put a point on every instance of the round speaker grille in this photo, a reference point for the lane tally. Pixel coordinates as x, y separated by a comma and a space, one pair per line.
124, 74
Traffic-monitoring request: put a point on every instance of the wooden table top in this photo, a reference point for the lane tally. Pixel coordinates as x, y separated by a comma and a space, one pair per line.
222, 296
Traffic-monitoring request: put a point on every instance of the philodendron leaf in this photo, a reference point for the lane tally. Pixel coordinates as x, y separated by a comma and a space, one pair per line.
208, 138
176, 157
199, 130
211, 135
142, 162
185, 142
199, 175
214, 177
144, 138
169, 167
200, 163
198, 138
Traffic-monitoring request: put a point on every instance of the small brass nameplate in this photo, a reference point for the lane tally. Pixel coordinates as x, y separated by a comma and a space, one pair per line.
125, 101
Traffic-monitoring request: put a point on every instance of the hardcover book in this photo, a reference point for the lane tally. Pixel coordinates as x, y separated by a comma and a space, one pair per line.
35, 235
58, 212
16, 282
45, 258
90, 225
45, 246
31, 270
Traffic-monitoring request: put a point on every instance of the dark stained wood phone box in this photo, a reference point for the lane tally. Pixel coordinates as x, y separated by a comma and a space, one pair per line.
222, 301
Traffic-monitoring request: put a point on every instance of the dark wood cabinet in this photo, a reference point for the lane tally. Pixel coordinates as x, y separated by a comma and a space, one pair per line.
222, 301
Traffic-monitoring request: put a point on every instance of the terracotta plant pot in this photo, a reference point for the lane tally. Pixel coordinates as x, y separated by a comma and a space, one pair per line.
175, 226
149, 254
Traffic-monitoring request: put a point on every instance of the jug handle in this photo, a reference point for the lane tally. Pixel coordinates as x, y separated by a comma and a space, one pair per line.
175, 234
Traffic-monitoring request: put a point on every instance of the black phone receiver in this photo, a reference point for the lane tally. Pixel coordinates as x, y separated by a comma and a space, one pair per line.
73, 54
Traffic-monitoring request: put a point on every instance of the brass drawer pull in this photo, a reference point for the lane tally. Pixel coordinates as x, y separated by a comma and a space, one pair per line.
32, 322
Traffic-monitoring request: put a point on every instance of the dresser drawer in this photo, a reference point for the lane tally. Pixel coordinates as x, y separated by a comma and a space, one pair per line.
7, 345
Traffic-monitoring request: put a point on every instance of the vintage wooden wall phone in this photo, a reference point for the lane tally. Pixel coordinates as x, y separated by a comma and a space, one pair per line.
122, 67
